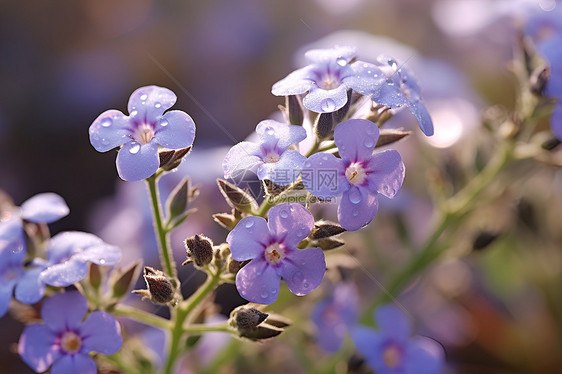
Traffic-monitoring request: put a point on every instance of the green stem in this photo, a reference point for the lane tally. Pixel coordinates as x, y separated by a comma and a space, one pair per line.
141, 316
199, 328
166, 259
265, 206
456, 208
179, 316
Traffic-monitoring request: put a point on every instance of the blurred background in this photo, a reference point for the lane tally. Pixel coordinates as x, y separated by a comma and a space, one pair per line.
63, 63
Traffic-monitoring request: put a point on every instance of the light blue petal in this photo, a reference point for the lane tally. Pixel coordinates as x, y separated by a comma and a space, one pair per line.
6, 292
389, 94
101, 333
148, 103
285, 171
65, 274
343, 53
323, 175
356, 139
244, 156
37, 347
64, 311
111, 129
44, 208
30, 289
249, 238
556, 121
280, 134
392, 322
370, 344
325, 101
175, 130
290, 223
65, 244
358, 207
11, 234
385, 173
136, 162
298, 82
423, 356
303, 270
366, 78
73, 364
258, 282
102, 254
419, 110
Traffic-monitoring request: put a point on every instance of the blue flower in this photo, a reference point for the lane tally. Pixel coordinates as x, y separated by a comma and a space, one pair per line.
330, 73
401, 89
550, 49
64, 341
271, 158
68, 255
272, 248
41, 208
142, 131
334, 315
359, 175
391, 350
11, 270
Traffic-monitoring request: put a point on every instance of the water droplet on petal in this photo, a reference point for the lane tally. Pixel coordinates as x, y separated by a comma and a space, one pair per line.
157, 105
355, 212
102, 261
307, 164
302, 232
368, 142
134, 113
106, 122
135, 148
328, 105
104, 141
371, 130
164, 122
355, 196
325, 158
249, 224
144, 97
341, 61
305, 285
274, 291
298, 277
270, 131
284, 214
264, 294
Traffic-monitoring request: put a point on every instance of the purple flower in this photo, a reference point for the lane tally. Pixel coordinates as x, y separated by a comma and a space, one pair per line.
68, 256
64, 341
334, 315
11, 271
391, 350
272, 247
401, 89
142, 131
271, 158
359, 175
550, 49
42, 208
330, 73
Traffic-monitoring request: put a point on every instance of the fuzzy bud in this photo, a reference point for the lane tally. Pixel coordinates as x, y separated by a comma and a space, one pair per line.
160, 289
252, 324
171, 158
199, 250
236, 197
325, 229
324, 125
294, 110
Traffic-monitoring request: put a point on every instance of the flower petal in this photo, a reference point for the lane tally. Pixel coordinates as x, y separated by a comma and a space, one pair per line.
325, 101
389, 94
136, 162
148, 103
419, 110
297, 82
423, 356
369, 343
290, 223
323, 175
280, 134
392, 322
385, 173
303, 270
64, 311
285, 171
111, 129
71, 364
37, 347
6, 292
44, 208
345, 53
30, 289
366, 78
556, 121
102, 254
65, 244
244, 156
101, 333
175, 130
356, 139
11, 234
65, 274
258, 282
248, 239
357, 208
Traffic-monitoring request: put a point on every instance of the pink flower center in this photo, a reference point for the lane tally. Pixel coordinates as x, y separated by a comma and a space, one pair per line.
271, 157
71, 342
274, 253
355, 173
392, 356
329, 82
144, 133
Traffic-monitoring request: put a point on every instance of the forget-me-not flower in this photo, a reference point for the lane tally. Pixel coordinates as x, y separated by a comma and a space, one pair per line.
11, 270
401, 88
64, 341
391, 350
142, 131
42, 208
272, 247
327, 77
270, 158
68, 255
359, 175
334, 315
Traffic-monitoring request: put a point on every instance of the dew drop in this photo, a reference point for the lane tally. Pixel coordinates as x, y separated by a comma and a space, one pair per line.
104, 141
284, 214
144, 97
307, 164
164, 122
157, 105
102, 261
328, 105
274, 291
341, 61
302, 231
355, 212
371, 130
386, 188
264, 294
305, 285
298, 277
106, 122
325, 158
134, 113
355, 196
368, 142
249, 224
134, 149
270, 131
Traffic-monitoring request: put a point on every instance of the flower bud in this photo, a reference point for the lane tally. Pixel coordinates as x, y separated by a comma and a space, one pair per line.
389, 136
324, 125
325, 229
329, 243
539, 78
171, 158
252, 324
123, 279
484, 239
340, 114
236, 197
293, 109
226, 220
199, 250
160, 289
